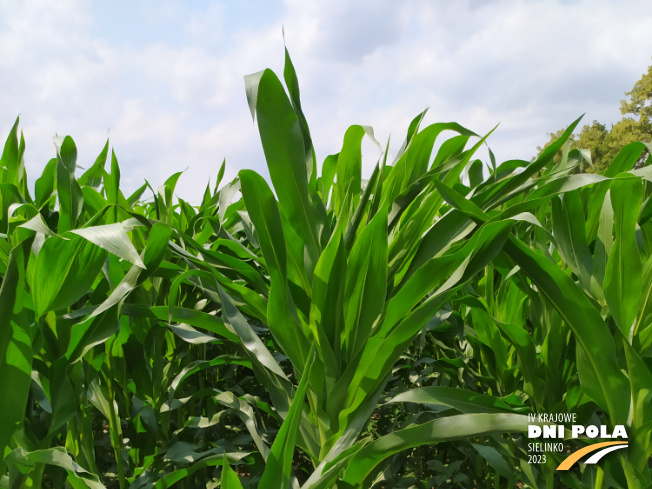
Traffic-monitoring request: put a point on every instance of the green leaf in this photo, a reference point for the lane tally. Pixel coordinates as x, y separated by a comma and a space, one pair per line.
90, 332
326, 307
65, 270
600, 376
94, 176
198, 319
114, 239
282, 320
65, 402
568, 229
37, 224
640, 378
239, 325
263, 210
464, 401
526, 350
229, 479
292, 82
58, 457
278, 470
283, 145
440, 430
493, 193
625, 159
155, 250
46, 183
15, 371
10, 160
365, 285
112, 181
170, 480
15, 345
347, 189
71, 200
623, 277
496, 460
126, 285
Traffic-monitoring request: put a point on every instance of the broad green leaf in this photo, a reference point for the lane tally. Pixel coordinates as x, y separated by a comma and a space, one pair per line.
246, 413
623, 277
15, 346
65, 402
10, 160
283, 145
229, 479
328, 171
46, 184
493, 193
568, 229
112, 181
292, 82
360, 211
114, 239
15, 371
440, 430
495, 459
69, 192
94, 176
264, 213
278, 470
126, 285
170, 480
645, 304
157, 246
462, 400
640, 434
625, 159
604, 237
59, 457
346, 192
475, 173
565, 184
86, 334
239, 325
137, 194
198, 319
590, 331
365, 285
11, 291
191, 335
526, 350
65, 270
414, 162
326, 307
37, 224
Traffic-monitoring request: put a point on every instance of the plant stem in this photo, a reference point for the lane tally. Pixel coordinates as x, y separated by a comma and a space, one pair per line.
599, 478
114, 422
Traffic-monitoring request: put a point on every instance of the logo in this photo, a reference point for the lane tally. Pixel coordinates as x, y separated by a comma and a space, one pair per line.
549, 427
601, 450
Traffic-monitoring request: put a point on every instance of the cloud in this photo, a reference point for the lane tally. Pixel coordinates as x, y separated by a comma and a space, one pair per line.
166, 83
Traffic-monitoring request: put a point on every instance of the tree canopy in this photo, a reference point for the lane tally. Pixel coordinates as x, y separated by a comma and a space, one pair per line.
604, 144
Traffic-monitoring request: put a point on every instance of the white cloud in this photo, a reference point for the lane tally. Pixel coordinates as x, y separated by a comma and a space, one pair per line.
166, 83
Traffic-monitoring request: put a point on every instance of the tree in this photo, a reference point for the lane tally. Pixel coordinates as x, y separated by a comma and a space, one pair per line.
605, 144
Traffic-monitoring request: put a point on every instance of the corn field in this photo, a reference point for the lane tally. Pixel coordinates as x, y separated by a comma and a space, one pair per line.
324, 331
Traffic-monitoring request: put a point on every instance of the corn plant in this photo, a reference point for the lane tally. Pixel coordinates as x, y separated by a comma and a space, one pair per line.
327, 331
91, 353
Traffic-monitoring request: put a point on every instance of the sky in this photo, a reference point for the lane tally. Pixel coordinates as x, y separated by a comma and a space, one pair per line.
163, 80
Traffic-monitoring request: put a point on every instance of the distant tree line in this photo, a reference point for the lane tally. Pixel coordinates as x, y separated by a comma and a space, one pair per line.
603, 143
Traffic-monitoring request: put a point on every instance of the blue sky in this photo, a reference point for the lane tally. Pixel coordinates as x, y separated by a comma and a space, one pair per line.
163, 80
